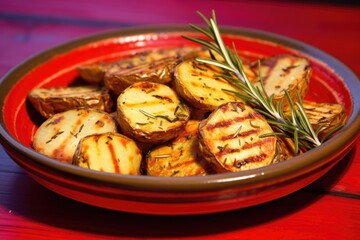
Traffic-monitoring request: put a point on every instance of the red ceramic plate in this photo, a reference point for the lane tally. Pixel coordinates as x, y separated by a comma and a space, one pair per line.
331, 82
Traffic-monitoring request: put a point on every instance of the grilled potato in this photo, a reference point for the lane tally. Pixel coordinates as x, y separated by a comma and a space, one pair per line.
285, 149
60, 134
49, 101
196, 83
180, 157
151, 112
229, 138
159, 71
325, 115
284, 72
94, 72
108, 152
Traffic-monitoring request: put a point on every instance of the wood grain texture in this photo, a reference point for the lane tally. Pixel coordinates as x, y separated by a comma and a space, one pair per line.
327, 209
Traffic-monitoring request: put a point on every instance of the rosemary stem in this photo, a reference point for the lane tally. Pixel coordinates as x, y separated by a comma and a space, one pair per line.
299, 122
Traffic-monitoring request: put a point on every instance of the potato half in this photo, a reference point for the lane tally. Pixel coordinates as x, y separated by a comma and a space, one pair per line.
180, 157
151, 112
326, 116
285, 72
230, 138
199, 85
108, 152
60, 134
49, 101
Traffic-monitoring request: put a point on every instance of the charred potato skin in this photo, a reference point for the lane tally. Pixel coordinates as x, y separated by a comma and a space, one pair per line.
49, 101
60, 134
214, 154
160, 71
93, 73
180, 157
299, 85
108, 152
116, 75
136, 130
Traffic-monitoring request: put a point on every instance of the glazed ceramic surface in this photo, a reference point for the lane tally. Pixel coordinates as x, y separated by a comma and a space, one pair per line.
331, 82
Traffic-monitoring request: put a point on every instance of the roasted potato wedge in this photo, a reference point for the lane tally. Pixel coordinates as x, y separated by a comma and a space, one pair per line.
60, 134
94, 72
326, 116
151, 112
284, 72
159, 71
108, 152
198, 85
49, 101
180, 157
230, 138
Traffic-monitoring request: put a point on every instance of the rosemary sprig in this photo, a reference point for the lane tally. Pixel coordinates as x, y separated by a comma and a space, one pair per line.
297, 126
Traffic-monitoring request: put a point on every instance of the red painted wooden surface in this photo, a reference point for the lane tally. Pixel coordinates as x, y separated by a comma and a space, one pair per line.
327, 209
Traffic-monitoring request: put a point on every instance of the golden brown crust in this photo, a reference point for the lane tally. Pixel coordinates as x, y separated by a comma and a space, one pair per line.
180, 157
285, 72
108, 152
49, 101
160, 71
151, 112
60, 134
198, 84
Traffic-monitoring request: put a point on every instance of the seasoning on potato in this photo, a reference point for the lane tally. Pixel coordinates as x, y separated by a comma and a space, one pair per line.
284, 72
199, 86
60, 134
108, 152
180, 157
151, 112
230, 138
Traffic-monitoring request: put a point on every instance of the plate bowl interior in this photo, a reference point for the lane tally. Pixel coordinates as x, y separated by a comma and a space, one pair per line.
331, 82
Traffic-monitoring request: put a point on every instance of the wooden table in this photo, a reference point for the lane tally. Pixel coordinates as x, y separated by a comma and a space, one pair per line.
327, 209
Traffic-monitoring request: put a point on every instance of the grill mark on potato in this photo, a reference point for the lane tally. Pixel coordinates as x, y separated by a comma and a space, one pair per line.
257, 158
272, 64
241, 134
115, 161
226, 151
146, 85
56, 121
165, 98
76, 127
227, 123
141, 104
256, 144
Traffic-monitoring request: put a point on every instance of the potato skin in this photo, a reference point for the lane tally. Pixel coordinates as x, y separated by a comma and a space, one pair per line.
108, 152
179, 157
151, 112
160, 71
93, 73
49, 101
